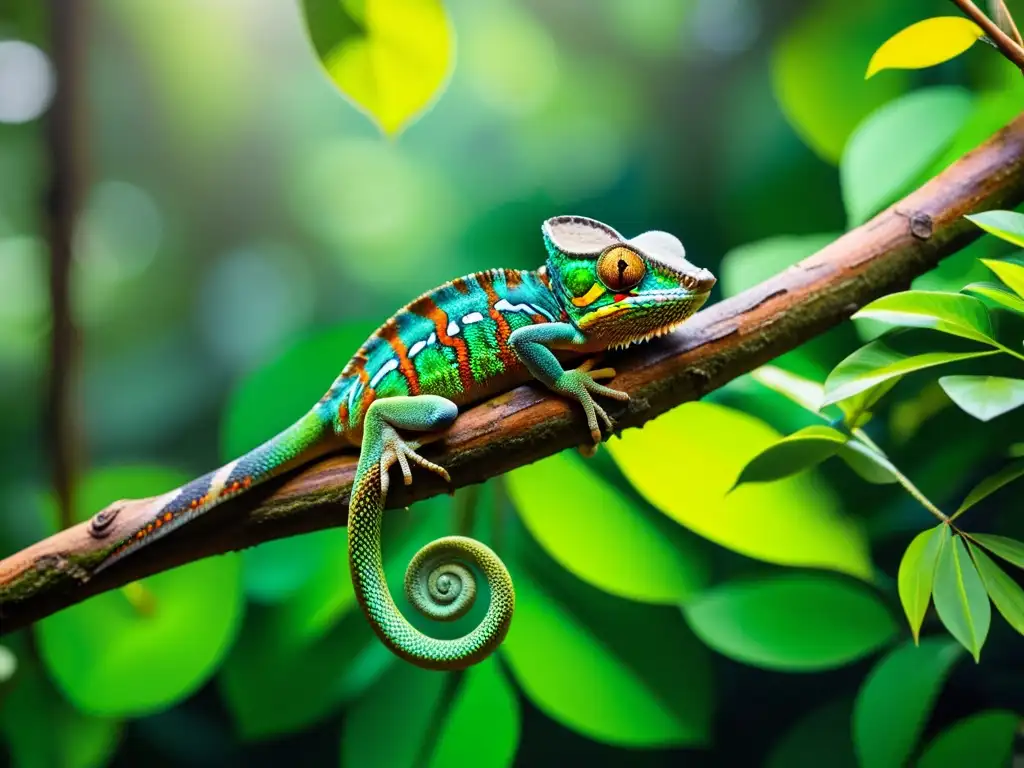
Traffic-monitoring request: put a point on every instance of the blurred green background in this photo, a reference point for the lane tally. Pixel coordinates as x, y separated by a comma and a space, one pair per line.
244, 227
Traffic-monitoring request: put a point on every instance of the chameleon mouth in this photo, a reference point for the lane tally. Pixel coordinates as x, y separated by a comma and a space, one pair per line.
650, 300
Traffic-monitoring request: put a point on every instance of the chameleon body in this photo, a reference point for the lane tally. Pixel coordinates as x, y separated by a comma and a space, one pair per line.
460, 343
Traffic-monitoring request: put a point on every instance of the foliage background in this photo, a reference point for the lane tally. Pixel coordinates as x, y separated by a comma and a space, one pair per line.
245, 228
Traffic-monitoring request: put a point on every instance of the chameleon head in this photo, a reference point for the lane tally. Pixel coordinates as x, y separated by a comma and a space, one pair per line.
620, 291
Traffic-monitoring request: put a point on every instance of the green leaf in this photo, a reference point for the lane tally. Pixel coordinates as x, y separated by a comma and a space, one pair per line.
983, 740
1006, 225
1004, 591
916, 575
603, 537
266, 402
276, 570
42, 730
139, 649
984, 397
315, 649
615, 671
277, 394
446, 720
686, 460
1010, 550
751, 263
878, 362
793, 454
390, 57
1009, 272
868, 463
890, 150
483, 724
856, 409
793, 622
804, 392
925, 44
990, 484
960, 598
896, 698
819, 60
819, 739
951, 313
996, 293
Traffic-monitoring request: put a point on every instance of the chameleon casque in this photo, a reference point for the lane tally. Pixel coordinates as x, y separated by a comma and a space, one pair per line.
465, 341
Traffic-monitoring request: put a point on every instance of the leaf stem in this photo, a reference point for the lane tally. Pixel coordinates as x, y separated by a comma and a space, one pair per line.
1006, 44
902, 479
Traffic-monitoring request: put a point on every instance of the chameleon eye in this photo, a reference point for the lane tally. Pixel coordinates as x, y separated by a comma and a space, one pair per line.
620, 269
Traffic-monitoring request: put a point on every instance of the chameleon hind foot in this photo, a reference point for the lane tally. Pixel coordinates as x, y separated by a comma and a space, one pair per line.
395, 449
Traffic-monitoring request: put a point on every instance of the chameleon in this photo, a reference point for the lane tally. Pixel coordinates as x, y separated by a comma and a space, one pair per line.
472, 338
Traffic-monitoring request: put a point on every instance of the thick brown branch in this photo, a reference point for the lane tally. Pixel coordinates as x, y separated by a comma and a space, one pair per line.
720, 343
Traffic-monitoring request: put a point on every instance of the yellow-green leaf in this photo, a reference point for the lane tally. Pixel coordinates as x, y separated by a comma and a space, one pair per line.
960, 597
951, 313
1010, 273
1004, 591
685, 461
793, 454
1006, 225
602, 536
390, 57
998, 294
925, 44
916, 575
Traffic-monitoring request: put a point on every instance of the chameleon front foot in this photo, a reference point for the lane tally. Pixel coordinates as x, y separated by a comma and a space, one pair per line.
581, 384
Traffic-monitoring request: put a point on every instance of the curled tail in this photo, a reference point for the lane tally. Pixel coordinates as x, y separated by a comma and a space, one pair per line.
438, 583
301, 442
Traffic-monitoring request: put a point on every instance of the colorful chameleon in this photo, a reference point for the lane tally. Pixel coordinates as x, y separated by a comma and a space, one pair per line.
460, 343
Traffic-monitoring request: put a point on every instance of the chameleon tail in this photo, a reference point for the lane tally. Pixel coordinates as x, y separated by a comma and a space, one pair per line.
299, 443
438, 583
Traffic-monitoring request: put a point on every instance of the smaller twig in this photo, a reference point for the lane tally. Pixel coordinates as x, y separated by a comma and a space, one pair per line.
1002, 16
902, 479
1006, 44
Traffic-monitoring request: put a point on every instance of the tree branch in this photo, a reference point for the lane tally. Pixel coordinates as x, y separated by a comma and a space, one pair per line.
720, 343
61, 206
1006, 44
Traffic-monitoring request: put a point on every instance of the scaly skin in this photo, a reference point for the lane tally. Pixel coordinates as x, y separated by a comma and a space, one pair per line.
467, 340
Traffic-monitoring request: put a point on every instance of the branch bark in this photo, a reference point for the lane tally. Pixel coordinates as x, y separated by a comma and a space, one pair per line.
527, 424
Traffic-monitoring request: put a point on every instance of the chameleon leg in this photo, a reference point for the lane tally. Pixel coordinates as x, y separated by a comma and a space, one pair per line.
533, 345
438, 580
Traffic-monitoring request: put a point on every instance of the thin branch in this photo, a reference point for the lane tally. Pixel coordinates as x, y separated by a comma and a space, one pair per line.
1004, 19
1009, 47
528, 423
61, 206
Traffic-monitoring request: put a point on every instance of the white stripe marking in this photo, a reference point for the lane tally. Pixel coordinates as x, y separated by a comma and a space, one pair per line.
502, 305
472, 317
431, 338
416, 348
219, 479
453, 328
385, 369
